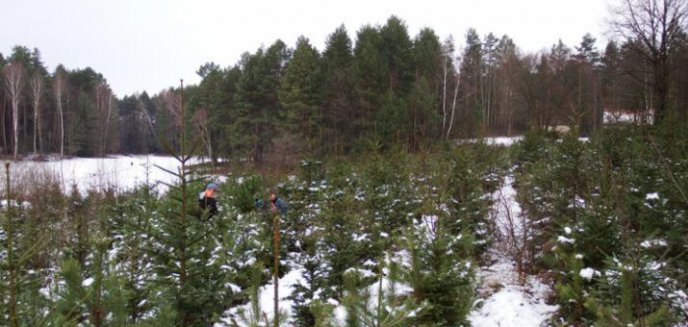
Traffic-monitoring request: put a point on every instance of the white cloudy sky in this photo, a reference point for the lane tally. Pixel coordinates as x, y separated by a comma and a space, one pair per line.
150, 44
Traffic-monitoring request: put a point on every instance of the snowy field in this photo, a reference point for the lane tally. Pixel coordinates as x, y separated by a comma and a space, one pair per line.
119, 172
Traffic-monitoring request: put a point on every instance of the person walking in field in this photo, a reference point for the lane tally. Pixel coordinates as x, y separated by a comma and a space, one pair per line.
207, 199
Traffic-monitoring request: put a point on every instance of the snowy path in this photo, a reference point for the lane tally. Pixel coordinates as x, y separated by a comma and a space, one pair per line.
505, 302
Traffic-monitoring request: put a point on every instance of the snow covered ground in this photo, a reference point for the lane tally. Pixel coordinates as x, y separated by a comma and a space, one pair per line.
118, 172
240, 316
502, 140
627, 117
504, 301
498, 140
266, 295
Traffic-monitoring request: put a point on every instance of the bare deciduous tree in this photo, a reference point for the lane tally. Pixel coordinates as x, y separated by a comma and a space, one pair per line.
200, 119
104, 107
655, 29
453, 108
449, 73
36, 94
172, 103
14, 82
58, 88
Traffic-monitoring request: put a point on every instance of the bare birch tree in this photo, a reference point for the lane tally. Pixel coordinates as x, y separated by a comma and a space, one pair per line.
104, 107
14, 83
36, 94
456, 94
58, 87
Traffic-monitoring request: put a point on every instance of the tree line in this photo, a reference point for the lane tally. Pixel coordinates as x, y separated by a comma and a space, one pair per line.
385, 90
70, 112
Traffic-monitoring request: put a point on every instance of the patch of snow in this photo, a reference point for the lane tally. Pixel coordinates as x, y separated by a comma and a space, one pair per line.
627, 117
360, 238
680, 300
567, 230
234, 287
512, 306
427, 226
577, 202
652, 196
266, 298
588, 273
565, 240
370, 263
13, 203
87, 282
499, 140
654, 243
654, 265
340, 313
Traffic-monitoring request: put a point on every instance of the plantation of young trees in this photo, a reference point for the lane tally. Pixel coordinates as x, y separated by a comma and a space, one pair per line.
394, 199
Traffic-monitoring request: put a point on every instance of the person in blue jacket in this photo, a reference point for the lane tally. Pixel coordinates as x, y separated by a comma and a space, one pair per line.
277, 204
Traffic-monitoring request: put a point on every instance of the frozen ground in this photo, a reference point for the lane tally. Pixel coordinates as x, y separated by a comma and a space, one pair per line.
241, 316
503, 300
499, 140
506, 302
116, 172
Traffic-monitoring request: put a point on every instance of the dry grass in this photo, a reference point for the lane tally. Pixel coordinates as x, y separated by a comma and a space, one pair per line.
29, 182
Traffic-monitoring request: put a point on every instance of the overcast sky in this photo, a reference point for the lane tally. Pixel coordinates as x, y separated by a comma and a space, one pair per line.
150, 44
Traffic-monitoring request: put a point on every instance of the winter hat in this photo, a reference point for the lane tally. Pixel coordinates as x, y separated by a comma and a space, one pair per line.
211, 186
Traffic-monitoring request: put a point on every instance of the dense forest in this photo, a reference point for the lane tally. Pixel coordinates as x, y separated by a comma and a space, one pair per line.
385, 88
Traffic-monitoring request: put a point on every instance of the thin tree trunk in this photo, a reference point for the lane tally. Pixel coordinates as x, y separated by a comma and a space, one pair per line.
453, 110
25, 124
60, 111
35, 126
15, 125
37, 91
276, 258
444, 97
187, 319
14, 80
11, 265
107, 123
4, 126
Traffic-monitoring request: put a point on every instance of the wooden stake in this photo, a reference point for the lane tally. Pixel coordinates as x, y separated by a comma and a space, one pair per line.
10, 253
276, 249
